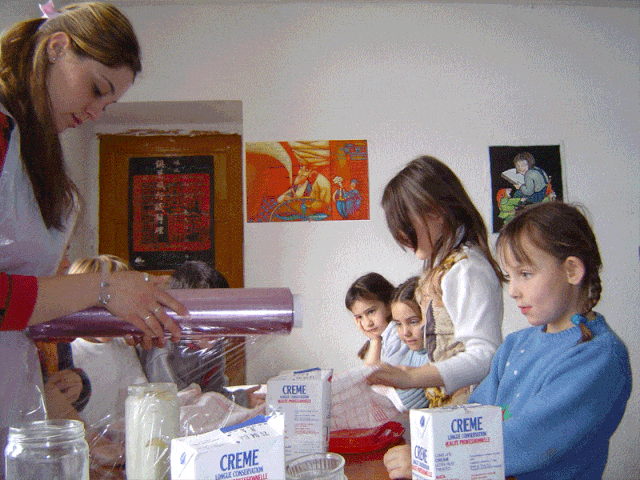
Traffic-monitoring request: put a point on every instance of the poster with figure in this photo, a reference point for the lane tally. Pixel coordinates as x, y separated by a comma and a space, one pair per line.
307, 181
523, 175
170, 211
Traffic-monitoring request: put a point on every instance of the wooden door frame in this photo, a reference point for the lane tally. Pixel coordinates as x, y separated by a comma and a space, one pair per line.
115, 151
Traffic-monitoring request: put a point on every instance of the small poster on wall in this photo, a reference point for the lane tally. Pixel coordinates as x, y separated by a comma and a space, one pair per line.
170, 211
523, 175
307, 180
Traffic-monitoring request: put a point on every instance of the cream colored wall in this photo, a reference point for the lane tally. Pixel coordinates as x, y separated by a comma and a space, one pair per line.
443, 79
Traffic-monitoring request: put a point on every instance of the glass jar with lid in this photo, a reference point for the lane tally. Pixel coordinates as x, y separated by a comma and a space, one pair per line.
152, 418
51, 449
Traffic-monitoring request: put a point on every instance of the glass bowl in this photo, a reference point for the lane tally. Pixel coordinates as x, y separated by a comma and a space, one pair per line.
317, 466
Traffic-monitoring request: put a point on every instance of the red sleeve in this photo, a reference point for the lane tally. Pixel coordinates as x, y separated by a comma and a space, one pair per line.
17, 298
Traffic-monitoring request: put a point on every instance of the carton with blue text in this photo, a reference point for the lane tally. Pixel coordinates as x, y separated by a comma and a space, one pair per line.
462, 442
252, 450
304, 397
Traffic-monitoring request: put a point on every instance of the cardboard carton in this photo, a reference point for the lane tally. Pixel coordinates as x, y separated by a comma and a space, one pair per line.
252, 450
457, 443
304, 397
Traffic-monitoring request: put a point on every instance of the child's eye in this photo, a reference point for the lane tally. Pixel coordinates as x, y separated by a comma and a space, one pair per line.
526, 274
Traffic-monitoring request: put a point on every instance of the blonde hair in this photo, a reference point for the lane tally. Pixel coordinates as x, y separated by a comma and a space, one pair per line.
94, 264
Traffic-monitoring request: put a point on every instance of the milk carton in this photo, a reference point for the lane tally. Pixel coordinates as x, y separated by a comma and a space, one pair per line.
252, 450
457, 443
304, 397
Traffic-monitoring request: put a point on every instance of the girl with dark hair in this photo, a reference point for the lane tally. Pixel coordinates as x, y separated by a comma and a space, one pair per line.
368, 300
460, 290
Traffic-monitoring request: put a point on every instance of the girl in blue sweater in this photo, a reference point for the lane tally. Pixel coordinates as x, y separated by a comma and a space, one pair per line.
563, 384
409, 323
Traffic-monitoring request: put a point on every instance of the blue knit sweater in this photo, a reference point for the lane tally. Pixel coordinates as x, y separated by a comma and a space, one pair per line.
414, 397
561, 401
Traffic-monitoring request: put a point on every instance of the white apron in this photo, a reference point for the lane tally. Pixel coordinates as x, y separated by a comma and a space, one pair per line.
26, 248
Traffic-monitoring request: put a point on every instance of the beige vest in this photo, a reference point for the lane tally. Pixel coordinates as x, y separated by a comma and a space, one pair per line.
439, 332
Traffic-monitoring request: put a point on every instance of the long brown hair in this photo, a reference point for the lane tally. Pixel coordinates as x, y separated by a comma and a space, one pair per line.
427, 186
561, 230
98, 31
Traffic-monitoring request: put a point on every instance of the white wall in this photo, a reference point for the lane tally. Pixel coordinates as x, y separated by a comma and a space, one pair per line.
443, 79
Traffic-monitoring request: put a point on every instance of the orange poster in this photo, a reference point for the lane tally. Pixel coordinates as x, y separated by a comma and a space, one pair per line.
307, 180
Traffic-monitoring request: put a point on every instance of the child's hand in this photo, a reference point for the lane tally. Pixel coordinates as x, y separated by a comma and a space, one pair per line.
391, 376
68, 382
406, 377
398, 461
58, 404
255, 399
374, 335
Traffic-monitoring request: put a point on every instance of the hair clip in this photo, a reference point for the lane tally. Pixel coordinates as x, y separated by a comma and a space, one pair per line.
48, 10
577, 319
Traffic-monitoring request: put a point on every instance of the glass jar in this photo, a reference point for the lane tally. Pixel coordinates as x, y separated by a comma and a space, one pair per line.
51, 449
152, 419
316, 466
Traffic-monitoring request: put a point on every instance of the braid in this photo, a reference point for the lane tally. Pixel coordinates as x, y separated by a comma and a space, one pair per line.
594, 289
587, 334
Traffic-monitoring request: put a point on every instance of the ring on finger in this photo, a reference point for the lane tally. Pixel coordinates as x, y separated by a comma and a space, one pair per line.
146, 276
157, 309
147, 318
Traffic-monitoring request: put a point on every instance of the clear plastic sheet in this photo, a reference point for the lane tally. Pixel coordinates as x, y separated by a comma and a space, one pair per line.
212, 312
206, 404
207, 364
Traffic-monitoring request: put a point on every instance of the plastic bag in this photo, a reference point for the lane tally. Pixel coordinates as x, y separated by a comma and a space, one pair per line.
362, 420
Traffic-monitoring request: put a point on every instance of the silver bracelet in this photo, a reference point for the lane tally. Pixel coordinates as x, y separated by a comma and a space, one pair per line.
104, 296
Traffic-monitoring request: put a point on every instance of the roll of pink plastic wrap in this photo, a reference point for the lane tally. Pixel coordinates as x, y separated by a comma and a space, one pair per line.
212, 312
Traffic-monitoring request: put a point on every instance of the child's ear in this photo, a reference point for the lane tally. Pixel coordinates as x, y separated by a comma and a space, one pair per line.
574, 270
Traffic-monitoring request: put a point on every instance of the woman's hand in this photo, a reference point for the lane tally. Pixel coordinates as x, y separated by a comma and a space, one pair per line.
129, 296
139, 298
397, 460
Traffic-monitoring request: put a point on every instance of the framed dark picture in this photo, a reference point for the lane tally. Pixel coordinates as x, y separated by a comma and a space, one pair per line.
522, 175
171, 205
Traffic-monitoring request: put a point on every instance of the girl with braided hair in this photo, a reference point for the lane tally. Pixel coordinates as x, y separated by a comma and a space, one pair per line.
564, 383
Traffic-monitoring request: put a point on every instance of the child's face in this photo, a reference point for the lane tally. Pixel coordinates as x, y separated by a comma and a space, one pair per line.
409, 324
428, 231
371, 316
522, 166
541, 289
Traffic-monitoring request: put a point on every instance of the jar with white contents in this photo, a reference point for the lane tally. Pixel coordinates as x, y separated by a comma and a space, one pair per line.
152, 415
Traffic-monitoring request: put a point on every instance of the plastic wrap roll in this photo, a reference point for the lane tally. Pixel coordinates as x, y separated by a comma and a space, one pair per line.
212, 312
